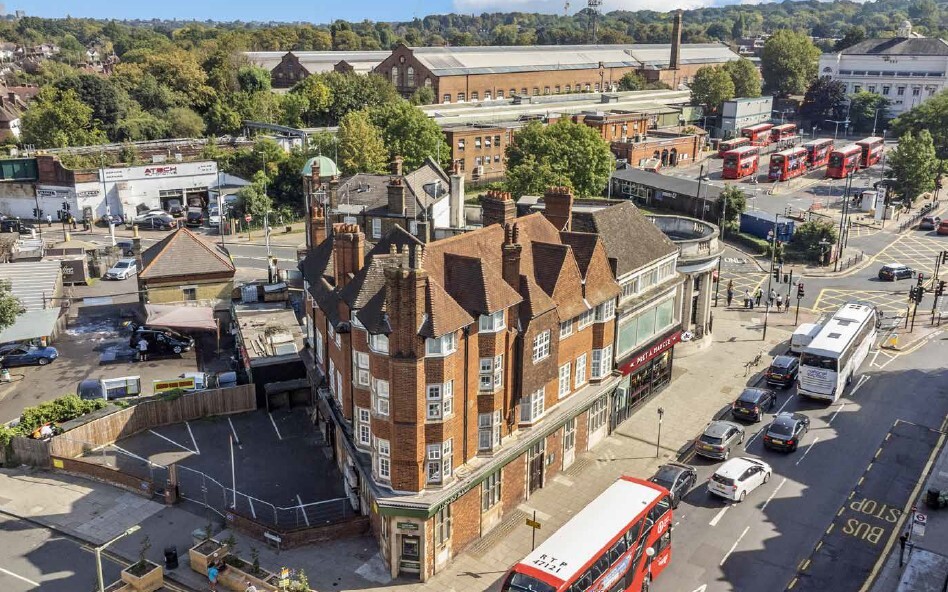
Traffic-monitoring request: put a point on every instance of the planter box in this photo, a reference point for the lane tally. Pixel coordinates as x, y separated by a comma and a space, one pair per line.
149, 581
236, 579
202, 554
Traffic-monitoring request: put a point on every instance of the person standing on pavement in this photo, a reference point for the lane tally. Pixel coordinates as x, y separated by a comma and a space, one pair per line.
748, 303
779, 302
730, 295
49, 220
212, 573
759, 294
773, 296
142, 350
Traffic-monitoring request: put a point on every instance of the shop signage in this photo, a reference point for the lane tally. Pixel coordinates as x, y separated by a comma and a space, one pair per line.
51, 192
114, 174
162, 386
90, 193
161, 171
655, 349
406, 525
410, 564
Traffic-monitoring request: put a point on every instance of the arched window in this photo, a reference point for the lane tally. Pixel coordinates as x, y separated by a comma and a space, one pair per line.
428, 82
411, 76
395, 76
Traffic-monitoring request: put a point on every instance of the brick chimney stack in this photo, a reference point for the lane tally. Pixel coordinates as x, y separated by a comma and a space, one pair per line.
396, 166
498, 207
512, 250
559, 207
676, 43
348, 252
396, 196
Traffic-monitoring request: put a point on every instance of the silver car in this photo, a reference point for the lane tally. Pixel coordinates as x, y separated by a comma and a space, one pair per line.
719, 438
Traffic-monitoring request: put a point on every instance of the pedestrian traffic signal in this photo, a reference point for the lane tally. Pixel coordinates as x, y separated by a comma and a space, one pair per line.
777, 274
800, 291
919, 292
940, 288
921, 278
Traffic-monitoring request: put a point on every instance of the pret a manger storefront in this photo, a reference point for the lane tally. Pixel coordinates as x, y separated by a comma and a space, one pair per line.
644, 374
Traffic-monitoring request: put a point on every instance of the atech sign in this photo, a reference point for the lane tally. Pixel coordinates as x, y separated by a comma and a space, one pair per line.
647, 355
161, 171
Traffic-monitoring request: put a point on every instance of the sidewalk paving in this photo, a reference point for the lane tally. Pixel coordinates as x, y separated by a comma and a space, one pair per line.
704, 382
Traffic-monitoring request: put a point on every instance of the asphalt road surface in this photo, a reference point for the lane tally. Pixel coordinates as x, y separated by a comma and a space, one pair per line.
762, 543
36, 558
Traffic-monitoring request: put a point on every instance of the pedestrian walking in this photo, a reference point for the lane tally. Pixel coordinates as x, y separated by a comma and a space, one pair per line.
250, 587
759, 295
49, 220
730, 295
748, 302
142, 350
779, 302
773, 296
212, 573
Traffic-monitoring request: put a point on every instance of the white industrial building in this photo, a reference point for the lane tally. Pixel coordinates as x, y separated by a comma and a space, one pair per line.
907, 69
739, 113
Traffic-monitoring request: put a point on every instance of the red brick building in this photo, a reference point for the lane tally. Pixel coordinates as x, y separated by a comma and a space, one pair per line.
457, 376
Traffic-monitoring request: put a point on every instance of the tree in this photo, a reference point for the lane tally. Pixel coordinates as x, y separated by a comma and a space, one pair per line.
107, 102
868, 111
914, 165
253, 79
631, 81
932, 115
252, 200
851, 36
739, 28
409, 133
10, 307
57, 119
361, 149
564, 153
789, 62
824, 99
184, 123
745, 77
293, 106
424, 95
809, 235
711, 87
733, 202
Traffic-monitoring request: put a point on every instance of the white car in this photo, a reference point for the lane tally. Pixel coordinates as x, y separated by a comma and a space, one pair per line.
213, 217
123, 269
738, 476
143, 216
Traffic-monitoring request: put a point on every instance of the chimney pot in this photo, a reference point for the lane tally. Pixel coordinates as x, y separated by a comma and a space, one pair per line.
558, 208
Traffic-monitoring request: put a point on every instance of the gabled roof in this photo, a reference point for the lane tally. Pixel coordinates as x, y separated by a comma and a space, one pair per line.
558, 274
183, 254
443, 314
472, 282
424, 186
899, 46
616, 226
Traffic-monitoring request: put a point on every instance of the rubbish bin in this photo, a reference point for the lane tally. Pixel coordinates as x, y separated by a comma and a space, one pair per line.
171, 557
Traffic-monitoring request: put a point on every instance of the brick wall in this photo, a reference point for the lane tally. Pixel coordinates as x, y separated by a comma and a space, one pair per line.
554, 455
635, 152
161, 293
287, 73
582, 431
466, 513
492, 157
513, 484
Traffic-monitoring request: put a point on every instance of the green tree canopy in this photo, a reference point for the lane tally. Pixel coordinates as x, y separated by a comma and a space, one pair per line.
824, 100
932, 115
57, 119
808, 236
711, 87
10, 307
851, 36
867, 111
424, 95
789, 62
253, 79
184, 123
361, 149
409, 133
745, 76
733, 202
565, 153
252, 200
914, 165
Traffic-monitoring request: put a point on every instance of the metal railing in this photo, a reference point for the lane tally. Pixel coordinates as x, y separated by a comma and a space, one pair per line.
850, 261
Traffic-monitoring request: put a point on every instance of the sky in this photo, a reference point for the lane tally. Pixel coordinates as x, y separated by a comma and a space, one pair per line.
322, 11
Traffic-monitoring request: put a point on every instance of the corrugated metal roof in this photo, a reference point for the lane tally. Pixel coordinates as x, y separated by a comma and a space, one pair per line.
320, 61
31, 281
31, 324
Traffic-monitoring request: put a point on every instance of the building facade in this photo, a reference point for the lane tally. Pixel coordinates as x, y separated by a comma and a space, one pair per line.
906, 69
737, 114
660, 149
459, 376
288, 68
480, 150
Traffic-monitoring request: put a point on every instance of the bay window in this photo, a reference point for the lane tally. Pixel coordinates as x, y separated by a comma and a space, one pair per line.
491, 323
379, 343
541, 346
440, 399
532, 406
384, 459
439, 461
488, 430
586, 319
441, 346
380, 392
602, 362
491, 373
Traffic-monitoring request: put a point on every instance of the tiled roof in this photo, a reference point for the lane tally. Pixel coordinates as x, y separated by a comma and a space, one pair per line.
444, 314
423, 187
536, 301
899, 46
616, 226
182, 254
473, 282
558, 274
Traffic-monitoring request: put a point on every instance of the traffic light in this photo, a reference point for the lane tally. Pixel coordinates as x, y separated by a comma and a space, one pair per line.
938, 182
921, 278
919, 292
777, 274
944, 256
940, 288
913, 294
800, 291
36, 214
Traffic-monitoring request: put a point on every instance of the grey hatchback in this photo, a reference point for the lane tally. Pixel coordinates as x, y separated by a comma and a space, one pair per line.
718, 439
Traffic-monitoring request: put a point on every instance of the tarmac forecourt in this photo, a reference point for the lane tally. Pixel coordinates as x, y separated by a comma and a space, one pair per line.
857, 541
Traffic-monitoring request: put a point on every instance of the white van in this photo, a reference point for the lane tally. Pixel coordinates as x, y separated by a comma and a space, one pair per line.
802, 337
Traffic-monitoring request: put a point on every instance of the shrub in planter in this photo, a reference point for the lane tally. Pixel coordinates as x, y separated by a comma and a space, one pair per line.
143, 575
204, 553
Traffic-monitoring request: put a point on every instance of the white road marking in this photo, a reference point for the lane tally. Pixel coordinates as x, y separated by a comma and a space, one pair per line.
807, 451
835, 413
133, 455
234, 432
702, 588
252, 510
19, 577
784, 404
305, 517
862, 381
193, 441
275, 428
719, 515
167, 439
734, 546
873, 362
776, 489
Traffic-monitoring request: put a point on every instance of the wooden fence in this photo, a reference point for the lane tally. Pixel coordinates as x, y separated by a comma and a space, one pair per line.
106, 474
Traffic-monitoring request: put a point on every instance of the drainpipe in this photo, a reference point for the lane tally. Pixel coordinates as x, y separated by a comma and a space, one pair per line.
467, 357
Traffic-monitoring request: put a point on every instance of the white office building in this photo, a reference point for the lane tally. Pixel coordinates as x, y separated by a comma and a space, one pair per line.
907, 69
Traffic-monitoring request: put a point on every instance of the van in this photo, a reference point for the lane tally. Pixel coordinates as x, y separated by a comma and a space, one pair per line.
802, 337
109, 388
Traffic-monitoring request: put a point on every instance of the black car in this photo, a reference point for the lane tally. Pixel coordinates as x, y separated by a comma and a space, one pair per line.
895, 271
929, 223
160, 340
783, 371
752, 402
786, 431
677, 478
195, 217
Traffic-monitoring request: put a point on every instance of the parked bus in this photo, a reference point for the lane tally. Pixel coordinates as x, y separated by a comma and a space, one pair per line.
620, 541
871, 151
741, 162
843, 162
783, 132
787, 164
759, 135
830, 361
818, 152
734, 144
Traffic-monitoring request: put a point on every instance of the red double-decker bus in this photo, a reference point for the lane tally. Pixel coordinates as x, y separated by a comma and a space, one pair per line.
734, 144
620, 541
759, 135
871, 151
783, 132
787, 164
818, 152
844, 161
741, 162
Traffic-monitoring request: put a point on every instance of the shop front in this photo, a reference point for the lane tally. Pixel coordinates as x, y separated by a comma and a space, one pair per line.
644, 374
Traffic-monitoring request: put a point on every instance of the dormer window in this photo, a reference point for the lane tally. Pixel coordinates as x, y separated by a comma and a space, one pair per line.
379, 343
441, 346
491, 323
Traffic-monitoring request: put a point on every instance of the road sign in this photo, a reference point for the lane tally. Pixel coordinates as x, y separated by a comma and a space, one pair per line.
247, 218
533, 524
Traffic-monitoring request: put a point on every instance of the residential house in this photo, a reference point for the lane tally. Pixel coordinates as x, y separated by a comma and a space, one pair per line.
182, 268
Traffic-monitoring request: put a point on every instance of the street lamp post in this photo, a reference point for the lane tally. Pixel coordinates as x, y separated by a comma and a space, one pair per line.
658, 442
698, 203
98, 554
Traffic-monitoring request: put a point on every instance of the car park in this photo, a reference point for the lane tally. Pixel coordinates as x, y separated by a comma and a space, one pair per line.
943, 228
752, 402
677, 478
160, 340
18, 354
718, 439
895, 271
123, 269
786, 431
783, 371
929, 223
737, 477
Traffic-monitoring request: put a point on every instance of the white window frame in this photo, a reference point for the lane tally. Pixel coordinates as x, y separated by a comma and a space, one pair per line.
585, 319
491, 374
606, 311
319, 345
564, 380
385, 459
376, 228
441, 346
361, 363
378, 343
601, 362
566, 328
541, 346
438, 465
580, 374
491, 323
364, 426
533, 406
439, 401
597, 414
488, 430
491, 490
380, 390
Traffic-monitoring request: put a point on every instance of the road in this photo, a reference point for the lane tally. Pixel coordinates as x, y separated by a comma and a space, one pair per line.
36, 558
886, 420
